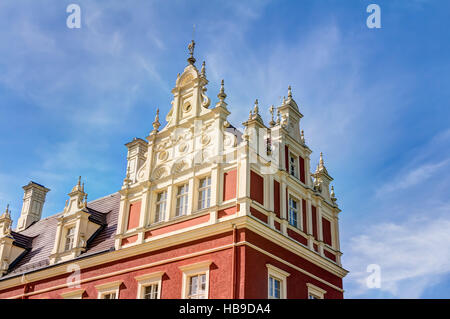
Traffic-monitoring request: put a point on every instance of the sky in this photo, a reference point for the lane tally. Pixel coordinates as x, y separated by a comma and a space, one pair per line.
375, 102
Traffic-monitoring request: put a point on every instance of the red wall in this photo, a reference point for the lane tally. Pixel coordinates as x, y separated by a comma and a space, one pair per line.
326, 231
305, 216
250, 271
256, 271
133, 215
229, 185
301, 161
314, 221
286, 157
276, 198
257, 187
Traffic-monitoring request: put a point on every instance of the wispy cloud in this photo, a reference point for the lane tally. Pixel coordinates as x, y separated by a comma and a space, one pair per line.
412, 255
412, 177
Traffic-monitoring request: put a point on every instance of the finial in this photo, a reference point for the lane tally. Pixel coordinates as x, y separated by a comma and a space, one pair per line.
284, 100
82, 187
85, 200
79, 181
289, 92
256, 108
321, 159
222, 94
332, 194
272, 122
250, 115
302, 137
156, 123
7, 212
191, 48
203, 70
278, 117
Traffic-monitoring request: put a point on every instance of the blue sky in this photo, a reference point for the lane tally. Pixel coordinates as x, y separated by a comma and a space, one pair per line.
375, 101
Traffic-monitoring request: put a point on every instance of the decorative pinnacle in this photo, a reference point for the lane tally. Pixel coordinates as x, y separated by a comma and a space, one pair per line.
7, 212
272, 122
156, 123
284, 100
302, 137
333, 195
289, 92
191, 48
321, 159
256, 108
85, 200
250, 115
278, 117
82, 187
203, 70
222, 94
79, 181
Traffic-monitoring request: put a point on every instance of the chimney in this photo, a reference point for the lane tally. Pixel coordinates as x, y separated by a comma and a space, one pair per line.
33, 201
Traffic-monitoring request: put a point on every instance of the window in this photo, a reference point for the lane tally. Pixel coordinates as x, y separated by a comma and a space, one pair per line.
111, 295
195, 280
274, 288
151, 291
109, 290
197, 287
161, 204
293, 212
149, 285
315, 292
204, 193
69, 238
182, 200
293, 164
73, 294
277, 282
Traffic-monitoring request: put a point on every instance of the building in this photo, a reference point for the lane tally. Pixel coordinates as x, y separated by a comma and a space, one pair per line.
205, 211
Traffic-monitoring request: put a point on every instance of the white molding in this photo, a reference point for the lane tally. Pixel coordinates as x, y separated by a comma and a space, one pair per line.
73, 294
149, 279
192, 270
279, 274
107, 288
316, 291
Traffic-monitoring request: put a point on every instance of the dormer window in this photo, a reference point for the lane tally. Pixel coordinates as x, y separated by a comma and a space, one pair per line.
76, 225
69, 239
182, 200
161, 204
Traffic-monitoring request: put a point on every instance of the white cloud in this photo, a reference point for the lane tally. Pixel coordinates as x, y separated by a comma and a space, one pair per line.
412, 177
412, 255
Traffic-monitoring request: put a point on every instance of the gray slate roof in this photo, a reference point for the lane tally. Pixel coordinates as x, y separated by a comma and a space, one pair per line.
38, 239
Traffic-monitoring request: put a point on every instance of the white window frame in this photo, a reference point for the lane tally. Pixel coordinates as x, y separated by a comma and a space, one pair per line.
315, 291
280, 275
74, 294
297, 210
207, 190
72, 238
185, 196
108, 288
295, 165
147, 280
194, 270
157, 205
